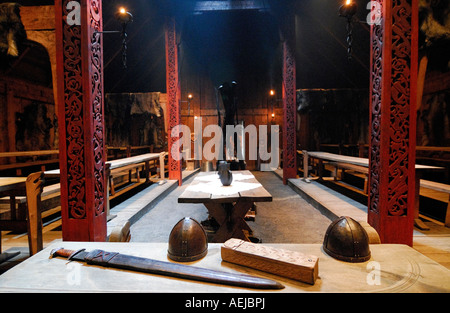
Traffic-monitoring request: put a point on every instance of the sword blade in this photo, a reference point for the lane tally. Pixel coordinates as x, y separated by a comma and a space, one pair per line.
145, 265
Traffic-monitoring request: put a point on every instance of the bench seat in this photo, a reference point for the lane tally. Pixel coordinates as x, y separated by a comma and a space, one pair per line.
440, 192
356, 170
117, 178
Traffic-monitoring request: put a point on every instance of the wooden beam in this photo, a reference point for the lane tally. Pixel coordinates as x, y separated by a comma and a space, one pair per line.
206, 6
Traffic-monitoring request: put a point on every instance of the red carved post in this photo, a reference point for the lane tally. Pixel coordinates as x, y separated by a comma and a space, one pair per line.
289, 102
173, 96
394, 57
81, 119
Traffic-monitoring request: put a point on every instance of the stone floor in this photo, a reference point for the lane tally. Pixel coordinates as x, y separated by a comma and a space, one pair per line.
287, 219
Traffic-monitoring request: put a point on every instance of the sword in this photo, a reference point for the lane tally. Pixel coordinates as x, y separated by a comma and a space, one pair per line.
129, 262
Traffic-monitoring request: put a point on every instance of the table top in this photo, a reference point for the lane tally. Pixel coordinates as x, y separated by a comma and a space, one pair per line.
391, 268
206, 187
9, 183
357, 160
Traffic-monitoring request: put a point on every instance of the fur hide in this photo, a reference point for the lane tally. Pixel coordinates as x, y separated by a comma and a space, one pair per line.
12, 32
434, 20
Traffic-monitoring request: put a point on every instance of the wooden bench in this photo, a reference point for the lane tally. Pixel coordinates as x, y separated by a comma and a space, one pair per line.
122, 167
360, 171
326, 157
131, 169
115, 153
116, 179
439, 192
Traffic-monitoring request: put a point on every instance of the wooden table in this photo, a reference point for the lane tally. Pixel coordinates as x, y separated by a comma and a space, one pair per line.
391, 268
227, 204
11, 183
364, 162
11, 187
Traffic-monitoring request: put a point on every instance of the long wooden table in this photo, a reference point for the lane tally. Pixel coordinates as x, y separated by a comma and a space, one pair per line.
227, 204
12, 183
364, 162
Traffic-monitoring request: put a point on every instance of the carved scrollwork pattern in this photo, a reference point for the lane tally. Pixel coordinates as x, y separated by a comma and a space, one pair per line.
290, 153
78, 136
399, 108
375, 135
96, 63
73, 100
172, 91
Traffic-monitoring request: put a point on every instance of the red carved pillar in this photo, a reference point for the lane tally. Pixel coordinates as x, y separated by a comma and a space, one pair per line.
289, 101
81, 119
394, 57
173, 96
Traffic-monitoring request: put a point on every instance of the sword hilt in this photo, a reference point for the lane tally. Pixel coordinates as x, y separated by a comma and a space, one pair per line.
66, 253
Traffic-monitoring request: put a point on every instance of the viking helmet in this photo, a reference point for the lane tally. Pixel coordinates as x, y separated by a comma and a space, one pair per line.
346, 240
187, 241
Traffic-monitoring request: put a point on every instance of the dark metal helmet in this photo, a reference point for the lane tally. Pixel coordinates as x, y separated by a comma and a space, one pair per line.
346, 240
187, 241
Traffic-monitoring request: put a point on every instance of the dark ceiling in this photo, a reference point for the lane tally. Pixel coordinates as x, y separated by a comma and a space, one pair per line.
237, 43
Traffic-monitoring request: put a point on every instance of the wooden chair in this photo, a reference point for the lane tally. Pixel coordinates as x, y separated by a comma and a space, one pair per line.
34, 188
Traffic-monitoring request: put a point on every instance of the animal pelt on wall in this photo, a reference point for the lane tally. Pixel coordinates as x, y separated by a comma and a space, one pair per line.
33, 128
434, 32
12, 31
336, 116
434, 117
134, 119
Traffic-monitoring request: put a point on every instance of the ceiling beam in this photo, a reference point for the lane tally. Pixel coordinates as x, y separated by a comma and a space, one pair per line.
207, 6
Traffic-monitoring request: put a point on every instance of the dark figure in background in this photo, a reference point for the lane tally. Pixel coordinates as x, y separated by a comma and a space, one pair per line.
228, 93
229, 99
33, 128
